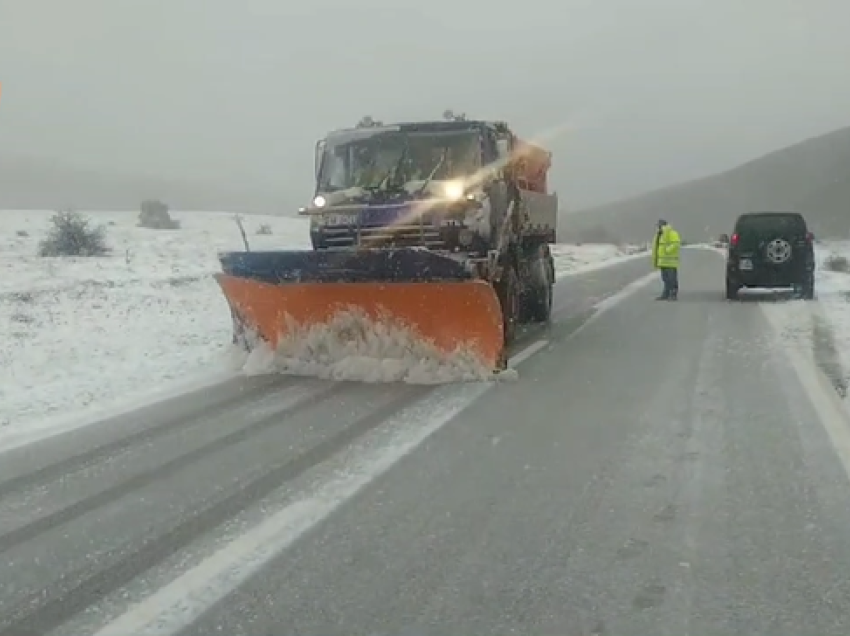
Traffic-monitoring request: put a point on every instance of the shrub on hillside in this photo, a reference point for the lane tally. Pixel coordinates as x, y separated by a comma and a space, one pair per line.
154, 215
71, 234
265, 228
837, 263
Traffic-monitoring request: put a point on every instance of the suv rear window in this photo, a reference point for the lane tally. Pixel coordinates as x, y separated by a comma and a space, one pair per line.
778, 223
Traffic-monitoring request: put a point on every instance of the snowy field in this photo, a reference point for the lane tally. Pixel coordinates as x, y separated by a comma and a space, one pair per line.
85, 336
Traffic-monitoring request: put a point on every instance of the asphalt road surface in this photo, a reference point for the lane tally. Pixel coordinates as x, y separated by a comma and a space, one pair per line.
657, 468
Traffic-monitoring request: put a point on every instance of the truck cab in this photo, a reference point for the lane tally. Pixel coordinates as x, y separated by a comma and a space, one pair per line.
442, 185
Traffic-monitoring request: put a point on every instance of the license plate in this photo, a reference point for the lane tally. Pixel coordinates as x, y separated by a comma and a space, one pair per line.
746, 263
340, 219
388, 216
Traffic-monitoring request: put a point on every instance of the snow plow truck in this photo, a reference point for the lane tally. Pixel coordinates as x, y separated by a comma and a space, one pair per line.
441, 227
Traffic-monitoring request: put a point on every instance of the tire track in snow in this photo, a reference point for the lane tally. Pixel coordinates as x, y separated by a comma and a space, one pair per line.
47, 609
296, 403
179, 419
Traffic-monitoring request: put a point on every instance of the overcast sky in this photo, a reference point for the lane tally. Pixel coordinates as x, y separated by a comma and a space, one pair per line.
640, 93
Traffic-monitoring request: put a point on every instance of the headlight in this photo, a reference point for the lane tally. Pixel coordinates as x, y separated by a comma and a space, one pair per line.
454, 190
320, 201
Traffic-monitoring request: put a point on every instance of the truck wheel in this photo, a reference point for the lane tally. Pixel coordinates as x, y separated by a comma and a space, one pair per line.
537, 298
538, 304
508, 292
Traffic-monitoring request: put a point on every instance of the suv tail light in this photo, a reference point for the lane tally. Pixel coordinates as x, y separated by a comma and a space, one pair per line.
810, 237
733, 240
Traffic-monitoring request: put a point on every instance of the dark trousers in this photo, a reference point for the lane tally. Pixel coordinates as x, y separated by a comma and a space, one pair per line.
670, 278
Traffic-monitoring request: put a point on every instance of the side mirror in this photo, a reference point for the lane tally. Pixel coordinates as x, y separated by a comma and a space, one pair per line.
317, 160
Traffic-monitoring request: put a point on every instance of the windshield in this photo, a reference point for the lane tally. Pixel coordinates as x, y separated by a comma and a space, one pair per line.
393, 159
753, 227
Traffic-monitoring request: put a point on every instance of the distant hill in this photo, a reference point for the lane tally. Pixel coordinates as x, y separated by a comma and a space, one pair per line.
37, 183
812, 177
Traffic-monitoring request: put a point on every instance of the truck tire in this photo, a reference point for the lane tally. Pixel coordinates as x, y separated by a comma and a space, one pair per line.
507, 290
538, 304
537, 298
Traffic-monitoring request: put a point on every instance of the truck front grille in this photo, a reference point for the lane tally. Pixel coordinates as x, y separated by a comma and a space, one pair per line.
395, 235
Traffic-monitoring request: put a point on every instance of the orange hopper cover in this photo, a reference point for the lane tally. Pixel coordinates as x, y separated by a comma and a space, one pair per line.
533, 163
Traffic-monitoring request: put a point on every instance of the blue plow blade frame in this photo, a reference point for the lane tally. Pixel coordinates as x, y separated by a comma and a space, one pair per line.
399, 265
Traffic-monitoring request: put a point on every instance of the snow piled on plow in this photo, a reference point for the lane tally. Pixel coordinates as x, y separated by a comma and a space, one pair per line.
355, 347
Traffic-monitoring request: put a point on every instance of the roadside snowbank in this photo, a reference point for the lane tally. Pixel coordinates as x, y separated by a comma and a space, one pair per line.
577, 259
84, 336
822, 327
833, 295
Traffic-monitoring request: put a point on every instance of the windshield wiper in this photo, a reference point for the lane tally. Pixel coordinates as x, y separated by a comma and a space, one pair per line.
433, 172
391, 182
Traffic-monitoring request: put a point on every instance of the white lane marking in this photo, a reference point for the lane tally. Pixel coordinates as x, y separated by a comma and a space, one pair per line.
616, 298
610, 302
177, 605
529, 351
831, 410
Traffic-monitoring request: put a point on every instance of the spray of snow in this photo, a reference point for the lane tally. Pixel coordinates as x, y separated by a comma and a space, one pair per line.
352, 346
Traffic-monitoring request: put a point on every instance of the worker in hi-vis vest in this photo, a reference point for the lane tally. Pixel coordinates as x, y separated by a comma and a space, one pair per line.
665, 257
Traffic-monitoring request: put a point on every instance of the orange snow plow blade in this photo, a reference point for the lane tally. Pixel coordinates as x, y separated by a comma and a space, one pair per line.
450, 315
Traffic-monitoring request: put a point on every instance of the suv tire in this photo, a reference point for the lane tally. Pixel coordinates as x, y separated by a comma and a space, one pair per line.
807, 291
732, 289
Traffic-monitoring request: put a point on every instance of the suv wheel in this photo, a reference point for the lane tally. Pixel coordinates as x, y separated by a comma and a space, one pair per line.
732, 289
778, 251
808, 288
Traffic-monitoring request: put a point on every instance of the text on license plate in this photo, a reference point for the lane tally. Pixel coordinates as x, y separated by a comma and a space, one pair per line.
746, 263
340, 219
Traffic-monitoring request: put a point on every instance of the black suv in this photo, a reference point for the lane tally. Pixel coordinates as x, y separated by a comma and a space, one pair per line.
773, 250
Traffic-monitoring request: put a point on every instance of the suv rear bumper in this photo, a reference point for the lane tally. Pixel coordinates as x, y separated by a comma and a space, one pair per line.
769, 278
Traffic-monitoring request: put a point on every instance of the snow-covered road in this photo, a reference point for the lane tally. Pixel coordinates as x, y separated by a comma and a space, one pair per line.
86, 337
658, 469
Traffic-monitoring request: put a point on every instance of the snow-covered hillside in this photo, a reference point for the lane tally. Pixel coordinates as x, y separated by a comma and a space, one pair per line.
84, 335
